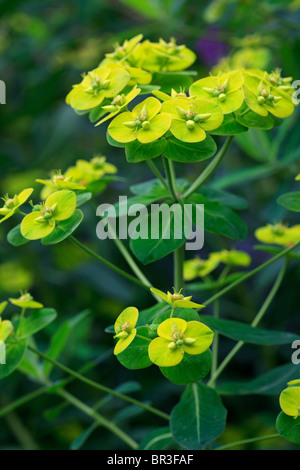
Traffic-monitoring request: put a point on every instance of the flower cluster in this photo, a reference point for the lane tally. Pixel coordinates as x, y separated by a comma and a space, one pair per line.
278, 234
290, 399
198, 267
106, 91
171, 338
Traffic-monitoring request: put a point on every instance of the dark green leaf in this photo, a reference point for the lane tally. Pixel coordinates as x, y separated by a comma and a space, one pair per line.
290, 201
135, 355
64, 229
38, 320
199, 418
251, 119
190, 369
160, 439
270, 383
169, 80
288, 428
15, 238
14, 355
242, 332
113, 142
230, 126
137, 152
83, 198
185, 152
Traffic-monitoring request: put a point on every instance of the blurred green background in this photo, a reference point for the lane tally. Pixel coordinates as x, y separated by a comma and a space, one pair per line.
44, 48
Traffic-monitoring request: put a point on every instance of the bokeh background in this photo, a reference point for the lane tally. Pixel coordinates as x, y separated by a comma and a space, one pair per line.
44, 48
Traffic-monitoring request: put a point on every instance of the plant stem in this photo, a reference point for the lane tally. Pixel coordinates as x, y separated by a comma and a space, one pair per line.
255, 322
99, 386
210, 168
22, 401
170, 174
215, 345
178, 268
143, 337
248, 441
98, 418
157, 173
108, 263
127, 256
250, 274
23, 311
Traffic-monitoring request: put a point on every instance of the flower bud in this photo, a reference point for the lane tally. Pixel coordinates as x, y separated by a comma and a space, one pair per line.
172, 346
132, 124
122, 335
277, 98
189, 341
190, 124
179, 342
146, 125
202, 117
260, 100
182, 113
222, 97
110, 108
105, 84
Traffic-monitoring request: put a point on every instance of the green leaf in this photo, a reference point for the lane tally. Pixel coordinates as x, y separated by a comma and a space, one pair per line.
242, 332
240, 177
220, 219
137, 152
113, 142
229, 126
38, 320
251, 119
83, 198
185, 152
64, 229
135, 355
147, 250
290, 201
288, 428
57, 345
160, 439
270, 383
223, 197
15, 238
190, 369
169, 80
199, 418
14, 355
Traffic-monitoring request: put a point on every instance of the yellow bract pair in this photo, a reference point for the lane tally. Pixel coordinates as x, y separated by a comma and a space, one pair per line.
290, 399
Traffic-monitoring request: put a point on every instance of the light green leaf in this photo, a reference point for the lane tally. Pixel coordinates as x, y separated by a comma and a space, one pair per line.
290, 201
38, 320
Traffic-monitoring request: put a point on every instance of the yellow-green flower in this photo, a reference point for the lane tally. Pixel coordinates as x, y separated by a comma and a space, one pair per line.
176, 300
11, 205
144, 123
85, 172
163, 56
232, 257
26, 301
283, 83
41, 222
290, 400
59, 181
123, 51
6, 328
198, 267
102, 82
165, 97
191, 118
262, 98
177, 337
118, 104
225, 90
279, 234
125, 328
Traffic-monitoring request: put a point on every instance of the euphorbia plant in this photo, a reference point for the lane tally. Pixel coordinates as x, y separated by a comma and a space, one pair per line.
175, 124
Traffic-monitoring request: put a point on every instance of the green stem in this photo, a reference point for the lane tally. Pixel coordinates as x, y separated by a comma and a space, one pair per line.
210, 168
250, 274
157, 173
108, 263
248, 441
170, 174
143, 337
178, 268
215, 345
255, 322
23, 311
22, 401
99, 386
98, 418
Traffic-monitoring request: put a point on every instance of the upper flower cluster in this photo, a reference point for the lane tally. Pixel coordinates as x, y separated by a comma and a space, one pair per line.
106, 91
